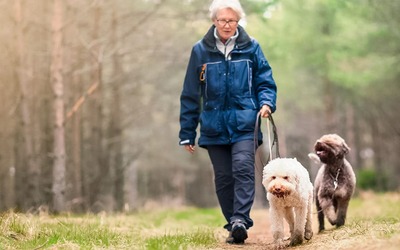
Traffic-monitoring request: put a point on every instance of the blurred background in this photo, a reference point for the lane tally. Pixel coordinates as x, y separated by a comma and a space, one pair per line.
90, 92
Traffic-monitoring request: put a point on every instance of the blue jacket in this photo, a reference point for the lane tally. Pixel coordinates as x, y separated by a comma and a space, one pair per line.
223, 95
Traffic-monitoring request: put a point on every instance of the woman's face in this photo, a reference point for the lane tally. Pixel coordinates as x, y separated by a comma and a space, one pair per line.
226, 23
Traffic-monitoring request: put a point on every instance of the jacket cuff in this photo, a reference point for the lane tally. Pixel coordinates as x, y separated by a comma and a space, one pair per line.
186, 142
270, 105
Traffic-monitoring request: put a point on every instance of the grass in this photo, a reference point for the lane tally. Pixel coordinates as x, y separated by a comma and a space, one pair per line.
176, 229
182, 241
373, 223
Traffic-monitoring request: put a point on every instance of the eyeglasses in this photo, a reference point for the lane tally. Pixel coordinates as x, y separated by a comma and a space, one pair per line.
229, 22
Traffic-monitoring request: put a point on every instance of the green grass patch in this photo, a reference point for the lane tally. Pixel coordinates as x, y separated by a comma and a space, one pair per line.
19, 231
165, 229
182, 241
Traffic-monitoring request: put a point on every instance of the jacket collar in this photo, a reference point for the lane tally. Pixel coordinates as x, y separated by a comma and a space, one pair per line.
242, 40
232, 39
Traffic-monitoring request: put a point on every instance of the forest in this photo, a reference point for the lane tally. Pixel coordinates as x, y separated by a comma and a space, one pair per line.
90, 96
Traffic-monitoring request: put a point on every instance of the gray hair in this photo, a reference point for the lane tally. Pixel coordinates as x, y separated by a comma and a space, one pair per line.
234, 5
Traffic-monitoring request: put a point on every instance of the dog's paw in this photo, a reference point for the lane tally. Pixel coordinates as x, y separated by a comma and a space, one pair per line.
308, 235
296, 239
332, 221
280, 244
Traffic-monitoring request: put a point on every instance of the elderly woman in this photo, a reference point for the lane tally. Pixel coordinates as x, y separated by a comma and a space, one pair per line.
228, 83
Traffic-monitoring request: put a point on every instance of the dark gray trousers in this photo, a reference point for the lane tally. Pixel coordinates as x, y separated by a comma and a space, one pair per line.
234, 179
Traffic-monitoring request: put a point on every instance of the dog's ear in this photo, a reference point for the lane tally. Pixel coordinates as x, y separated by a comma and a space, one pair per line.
315, 145
264, 182
265, 179
345, 148
297, 181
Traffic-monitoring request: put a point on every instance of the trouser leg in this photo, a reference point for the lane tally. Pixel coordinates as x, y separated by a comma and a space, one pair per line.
234, 179
244, 179
221, 160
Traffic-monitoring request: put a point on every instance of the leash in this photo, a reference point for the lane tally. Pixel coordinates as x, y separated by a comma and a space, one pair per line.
271, 143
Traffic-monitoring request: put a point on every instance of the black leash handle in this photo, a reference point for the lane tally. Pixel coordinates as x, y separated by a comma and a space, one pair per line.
275, 135
275, 132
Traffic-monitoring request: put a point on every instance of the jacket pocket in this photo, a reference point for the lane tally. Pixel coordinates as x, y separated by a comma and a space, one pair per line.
213, 80
211, 123
246, 119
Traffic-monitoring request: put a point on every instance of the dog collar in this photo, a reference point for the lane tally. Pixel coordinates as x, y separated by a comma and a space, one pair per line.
335, 180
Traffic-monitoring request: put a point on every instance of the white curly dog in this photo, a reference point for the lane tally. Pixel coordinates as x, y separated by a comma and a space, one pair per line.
290, 196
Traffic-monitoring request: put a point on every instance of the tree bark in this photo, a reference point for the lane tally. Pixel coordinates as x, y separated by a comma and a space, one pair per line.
59, 167
115, 130
30, 176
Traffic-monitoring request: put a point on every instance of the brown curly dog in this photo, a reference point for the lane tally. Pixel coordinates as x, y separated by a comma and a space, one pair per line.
335, 181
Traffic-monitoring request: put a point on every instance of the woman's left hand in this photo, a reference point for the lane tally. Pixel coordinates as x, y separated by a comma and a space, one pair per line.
265, 111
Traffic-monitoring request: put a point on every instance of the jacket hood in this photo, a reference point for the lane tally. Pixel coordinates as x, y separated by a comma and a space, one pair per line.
242, 41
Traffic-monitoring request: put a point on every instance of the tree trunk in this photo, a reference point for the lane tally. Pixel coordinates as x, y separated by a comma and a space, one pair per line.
101, 185
59, 168
378, 149
115, 130
8, 125
30, 175
77, 197
329, 101
7, 169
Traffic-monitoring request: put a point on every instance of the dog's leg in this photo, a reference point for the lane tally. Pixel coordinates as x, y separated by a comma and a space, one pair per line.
296, 237
330, 215
289, 216
342, 203
328, 209
341, 212
308, 229
277, 226
321, 220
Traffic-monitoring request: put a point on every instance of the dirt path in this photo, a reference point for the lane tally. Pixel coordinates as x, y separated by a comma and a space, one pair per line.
260, 236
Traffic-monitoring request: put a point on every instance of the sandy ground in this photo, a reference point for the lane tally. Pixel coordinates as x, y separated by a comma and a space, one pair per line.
260, 236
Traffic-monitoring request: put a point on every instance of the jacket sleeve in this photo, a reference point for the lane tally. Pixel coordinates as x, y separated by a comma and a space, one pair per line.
190, 102
264, 82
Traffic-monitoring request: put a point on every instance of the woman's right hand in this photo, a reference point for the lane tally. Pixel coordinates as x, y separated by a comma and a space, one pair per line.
265, 111
190, 148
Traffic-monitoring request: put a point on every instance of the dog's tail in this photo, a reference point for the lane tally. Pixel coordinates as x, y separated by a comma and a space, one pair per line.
314, 158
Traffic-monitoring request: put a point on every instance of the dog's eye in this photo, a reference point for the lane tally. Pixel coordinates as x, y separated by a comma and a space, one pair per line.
286, 177
273, 177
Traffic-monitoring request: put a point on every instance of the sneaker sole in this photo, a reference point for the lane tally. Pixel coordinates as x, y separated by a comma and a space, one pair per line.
239, 234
